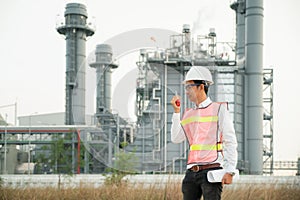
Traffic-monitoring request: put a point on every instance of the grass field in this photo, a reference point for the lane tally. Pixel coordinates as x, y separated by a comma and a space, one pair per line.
127, 192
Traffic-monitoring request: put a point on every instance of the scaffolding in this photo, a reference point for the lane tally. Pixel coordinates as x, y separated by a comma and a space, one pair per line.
268, 121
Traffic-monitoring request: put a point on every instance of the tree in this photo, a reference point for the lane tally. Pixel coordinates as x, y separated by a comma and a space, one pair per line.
124, 165
61, 154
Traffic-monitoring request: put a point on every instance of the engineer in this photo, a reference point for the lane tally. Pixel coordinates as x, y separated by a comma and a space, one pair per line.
211, 137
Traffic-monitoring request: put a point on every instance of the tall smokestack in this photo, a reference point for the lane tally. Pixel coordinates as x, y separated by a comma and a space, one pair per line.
75, 30
254, 78
103, 64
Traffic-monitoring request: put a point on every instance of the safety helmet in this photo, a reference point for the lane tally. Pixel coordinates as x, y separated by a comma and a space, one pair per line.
198, 73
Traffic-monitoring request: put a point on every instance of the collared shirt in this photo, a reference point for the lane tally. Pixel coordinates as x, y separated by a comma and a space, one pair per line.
228, 158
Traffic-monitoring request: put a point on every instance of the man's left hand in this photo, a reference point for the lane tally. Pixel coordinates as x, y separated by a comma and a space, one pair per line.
227, 179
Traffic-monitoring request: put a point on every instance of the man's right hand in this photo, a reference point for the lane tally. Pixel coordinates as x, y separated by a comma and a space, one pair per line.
175, 104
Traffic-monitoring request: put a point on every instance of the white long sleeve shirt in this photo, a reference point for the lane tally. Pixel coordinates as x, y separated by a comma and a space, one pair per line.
229, 158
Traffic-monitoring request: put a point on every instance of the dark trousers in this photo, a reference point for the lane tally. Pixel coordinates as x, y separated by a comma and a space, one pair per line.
195, 184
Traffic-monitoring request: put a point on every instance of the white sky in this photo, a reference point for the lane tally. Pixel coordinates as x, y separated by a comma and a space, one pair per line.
32, 53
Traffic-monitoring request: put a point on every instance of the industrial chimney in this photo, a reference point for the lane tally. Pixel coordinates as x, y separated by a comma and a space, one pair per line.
104, 65
75, 30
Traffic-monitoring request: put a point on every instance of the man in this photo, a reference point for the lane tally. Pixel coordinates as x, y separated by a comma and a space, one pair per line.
210, 134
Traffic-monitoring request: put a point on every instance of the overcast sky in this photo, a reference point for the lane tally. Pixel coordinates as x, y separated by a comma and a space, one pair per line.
33, 53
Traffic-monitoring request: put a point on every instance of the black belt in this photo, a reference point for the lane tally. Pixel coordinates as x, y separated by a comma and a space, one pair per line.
197, 168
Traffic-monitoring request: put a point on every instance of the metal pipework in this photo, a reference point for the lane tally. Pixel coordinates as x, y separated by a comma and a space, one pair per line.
240, 9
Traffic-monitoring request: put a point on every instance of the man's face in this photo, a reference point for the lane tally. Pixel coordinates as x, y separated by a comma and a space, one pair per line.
191, 91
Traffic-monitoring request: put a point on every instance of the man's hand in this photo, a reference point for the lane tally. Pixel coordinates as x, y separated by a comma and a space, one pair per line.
227, 179
175, 106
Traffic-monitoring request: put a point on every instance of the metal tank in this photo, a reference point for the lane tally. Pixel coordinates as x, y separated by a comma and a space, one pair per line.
76, 30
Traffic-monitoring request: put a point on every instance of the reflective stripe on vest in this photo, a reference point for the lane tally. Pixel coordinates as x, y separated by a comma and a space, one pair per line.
199, 119
199, 147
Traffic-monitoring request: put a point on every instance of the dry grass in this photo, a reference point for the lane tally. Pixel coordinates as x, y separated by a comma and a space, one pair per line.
123, 192
126, 192
262, 192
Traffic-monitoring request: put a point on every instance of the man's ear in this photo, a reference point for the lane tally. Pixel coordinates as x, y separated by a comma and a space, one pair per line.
201, 87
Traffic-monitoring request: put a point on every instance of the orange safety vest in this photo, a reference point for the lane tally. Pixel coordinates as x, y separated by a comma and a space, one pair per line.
201, 129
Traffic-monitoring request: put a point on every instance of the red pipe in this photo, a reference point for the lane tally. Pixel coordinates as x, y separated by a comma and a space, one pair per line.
78, 152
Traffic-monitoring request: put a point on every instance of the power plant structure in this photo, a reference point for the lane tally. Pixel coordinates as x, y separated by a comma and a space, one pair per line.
237, 70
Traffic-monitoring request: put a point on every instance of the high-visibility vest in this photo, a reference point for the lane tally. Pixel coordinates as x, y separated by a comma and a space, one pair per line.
201, 129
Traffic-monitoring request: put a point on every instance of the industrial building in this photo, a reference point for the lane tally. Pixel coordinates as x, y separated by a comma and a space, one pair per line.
94, 142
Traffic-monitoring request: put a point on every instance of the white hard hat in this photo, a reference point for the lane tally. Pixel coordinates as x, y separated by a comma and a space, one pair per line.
199, 73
